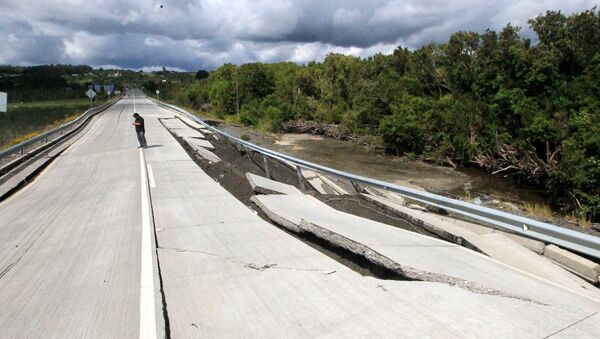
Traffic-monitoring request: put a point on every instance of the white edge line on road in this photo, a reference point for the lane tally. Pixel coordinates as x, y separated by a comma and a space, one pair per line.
151, 177
147, 312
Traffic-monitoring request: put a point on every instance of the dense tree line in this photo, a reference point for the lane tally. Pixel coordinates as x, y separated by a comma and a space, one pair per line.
44, 82
497, 100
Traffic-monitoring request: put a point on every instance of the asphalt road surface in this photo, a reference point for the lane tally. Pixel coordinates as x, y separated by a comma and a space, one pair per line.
112, 241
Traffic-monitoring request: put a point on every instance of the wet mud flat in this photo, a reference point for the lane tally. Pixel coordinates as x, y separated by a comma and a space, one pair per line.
230, 173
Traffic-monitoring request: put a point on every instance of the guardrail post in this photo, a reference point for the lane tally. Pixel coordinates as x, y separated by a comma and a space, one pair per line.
300, 178
266, 164
247, 153
357, 187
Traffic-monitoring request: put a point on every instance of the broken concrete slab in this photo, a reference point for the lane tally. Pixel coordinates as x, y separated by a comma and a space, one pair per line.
174, 123
263, 185
317, 183
208, 155
201, 147
331, 182
418, 255
195, 143
580, 265
388, 203
532, 245
485, 240
419, 216
504, 249
191, 123
188, 133
390, 196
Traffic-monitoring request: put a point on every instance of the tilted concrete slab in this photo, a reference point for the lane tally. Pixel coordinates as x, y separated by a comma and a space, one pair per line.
337, 187
388, 196
417, 254
263, 185
174, 123
317, 183
208, 155
396, 204
392, 201
188, 133
196, 143
497, 245
587, 268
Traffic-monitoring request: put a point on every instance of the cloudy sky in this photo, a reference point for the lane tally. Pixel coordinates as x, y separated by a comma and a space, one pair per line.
204, 34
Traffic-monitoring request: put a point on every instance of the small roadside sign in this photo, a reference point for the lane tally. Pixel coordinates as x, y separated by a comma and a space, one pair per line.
90, 93
3, 102
157, 92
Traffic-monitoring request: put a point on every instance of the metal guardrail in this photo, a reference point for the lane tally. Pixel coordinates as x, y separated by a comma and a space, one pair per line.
21, 149
548, 233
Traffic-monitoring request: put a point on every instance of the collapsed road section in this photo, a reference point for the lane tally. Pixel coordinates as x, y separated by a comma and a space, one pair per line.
424, 265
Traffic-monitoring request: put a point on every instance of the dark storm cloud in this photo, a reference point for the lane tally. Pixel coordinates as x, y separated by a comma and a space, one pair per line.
192, 34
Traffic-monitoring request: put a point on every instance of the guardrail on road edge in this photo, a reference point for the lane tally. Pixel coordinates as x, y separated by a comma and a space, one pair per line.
577, 241
54, 134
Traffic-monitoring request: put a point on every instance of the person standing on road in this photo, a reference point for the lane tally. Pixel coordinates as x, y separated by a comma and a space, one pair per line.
140, 131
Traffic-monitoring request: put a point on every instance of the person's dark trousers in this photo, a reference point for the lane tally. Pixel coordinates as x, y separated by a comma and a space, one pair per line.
141, 138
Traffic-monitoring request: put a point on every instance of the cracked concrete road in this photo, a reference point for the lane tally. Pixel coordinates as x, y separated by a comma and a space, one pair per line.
228, 273
71, 253
70, 241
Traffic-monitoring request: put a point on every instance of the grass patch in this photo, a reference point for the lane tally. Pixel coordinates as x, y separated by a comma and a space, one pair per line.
583, 222
539, 210
544, 211
26, 120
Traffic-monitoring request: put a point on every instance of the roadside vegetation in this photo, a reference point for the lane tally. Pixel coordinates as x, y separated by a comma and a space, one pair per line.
498, 100
46, 96
26, 120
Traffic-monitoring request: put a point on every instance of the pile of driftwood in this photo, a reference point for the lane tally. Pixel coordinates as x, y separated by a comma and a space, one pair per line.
508, 160
311, 127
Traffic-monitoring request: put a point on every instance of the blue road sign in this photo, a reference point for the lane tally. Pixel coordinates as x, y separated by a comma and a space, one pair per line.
109, 88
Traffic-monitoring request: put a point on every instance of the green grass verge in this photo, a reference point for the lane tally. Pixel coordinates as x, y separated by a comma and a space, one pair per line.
26, 120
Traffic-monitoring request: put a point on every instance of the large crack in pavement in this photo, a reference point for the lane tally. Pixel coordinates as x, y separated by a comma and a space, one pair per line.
230, 173
250, 265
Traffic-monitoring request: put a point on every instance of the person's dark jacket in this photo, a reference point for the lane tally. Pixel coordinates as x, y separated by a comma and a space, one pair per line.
140, 127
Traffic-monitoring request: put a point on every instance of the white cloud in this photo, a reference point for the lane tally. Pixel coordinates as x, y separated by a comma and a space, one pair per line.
151, 42
193, 34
